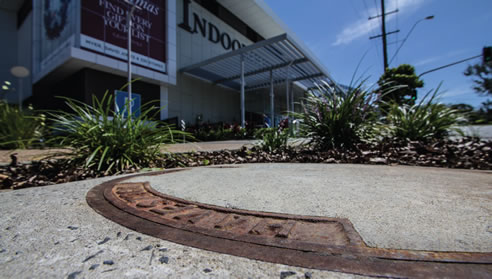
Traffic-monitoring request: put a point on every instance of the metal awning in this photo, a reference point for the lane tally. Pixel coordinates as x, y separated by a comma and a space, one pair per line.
280, 54
264, 64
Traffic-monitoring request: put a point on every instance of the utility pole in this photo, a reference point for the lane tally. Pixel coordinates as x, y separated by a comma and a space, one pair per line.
383, 32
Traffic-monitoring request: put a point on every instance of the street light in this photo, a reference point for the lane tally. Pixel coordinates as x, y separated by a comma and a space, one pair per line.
19, 72
404, 40
129, 28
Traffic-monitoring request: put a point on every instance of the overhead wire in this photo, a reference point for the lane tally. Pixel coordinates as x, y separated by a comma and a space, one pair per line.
373, 33
396, 27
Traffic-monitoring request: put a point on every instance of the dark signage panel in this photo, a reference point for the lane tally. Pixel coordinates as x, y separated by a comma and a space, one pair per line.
104, 30
207, 30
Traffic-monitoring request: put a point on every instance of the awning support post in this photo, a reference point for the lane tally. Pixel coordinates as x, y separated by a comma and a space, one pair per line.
287, 93
292, 97
243, 121
272, 98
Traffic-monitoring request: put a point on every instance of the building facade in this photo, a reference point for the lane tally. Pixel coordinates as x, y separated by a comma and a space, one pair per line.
78, 48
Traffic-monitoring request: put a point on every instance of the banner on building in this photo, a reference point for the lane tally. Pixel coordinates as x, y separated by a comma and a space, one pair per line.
104, 30
58, 24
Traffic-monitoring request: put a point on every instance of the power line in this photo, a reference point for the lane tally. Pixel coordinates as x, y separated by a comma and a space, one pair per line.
378, 52
379, 48
449, 65
394, 43
376, 4
409, 32
397, 22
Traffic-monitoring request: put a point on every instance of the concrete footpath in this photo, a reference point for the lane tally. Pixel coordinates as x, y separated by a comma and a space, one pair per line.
52, 232
27, 155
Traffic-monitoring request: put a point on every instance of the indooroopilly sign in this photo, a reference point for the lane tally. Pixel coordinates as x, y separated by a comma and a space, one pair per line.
208, 29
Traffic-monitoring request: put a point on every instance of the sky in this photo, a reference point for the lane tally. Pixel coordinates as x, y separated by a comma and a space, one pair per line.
338, 31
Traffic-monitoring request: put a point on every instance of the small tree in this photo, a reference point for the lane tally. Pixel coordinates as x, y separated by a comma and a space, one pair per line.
482, 77
399, 85
481, 74
485, 113
467, 111
462, 108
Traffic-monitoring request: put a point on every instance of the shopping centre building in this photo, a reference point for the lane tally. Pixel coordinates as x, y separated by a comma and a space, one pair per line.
214, 60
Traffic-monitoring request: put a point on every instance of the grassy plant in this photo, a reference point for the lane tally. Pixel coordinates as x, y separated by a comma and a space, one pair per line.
334, 119
103, 140
421, 122
273, 139
19, 129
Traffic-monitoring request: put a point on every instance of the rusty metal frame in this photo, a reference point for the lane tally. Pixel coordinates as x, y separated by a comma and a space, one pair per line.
352, 256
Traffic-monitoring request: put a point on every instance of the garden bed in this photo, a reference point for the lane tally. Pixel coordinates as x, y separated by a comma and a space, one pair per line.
466, 153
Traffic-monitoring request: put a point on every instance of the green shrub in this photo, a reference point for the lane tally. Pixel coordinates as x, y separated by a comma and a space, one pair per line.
338, 119
259, 133
420, 122
219, 132
273, 139
19, 129
103, 140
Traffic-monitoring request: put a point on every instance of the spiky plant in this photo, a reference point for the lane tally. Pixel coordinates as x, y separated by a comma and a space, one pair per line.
273, 139
423, 121
336, 119
19, 129
103, 140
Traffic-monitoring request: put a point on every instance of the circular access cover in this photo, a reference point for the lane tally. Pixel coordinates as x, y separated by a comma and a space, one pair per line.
312, 242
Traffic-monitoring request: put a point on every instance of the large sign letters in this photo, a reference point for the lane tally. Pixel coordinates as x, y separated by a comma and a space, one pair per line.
207, 29
104, 30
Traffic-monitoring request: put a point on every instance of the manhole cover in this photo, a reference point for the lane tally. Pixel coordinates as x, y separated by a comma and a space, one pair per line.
311, 242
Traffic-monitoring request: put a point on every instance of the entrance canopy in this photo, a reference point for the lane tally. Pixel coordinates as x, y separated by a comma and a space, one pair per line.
280, 56
262, 65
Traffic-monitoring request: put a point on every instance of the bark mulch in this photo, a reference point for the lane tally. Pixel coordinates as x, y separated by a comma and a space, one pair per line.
466, 153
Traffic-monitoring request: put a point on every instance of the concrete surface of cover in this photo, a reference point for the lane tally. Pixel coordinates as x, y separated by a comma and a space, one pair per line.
390, 206
52, 232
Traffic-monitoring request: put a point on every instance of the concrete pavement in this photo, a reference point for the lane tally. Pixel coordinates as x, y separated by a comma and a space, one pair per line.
27, 155
483, 131
208, 146
52, 232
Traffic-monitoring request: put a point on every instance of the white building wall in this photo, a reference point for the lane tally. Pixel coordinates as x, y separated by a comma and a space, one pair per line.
171, 41
192, 97
181, 96
258, 101
164, 90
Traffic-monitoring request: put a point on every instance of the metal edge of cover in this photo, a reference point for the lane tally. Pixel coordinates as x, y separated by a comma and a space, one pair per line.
306, 241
